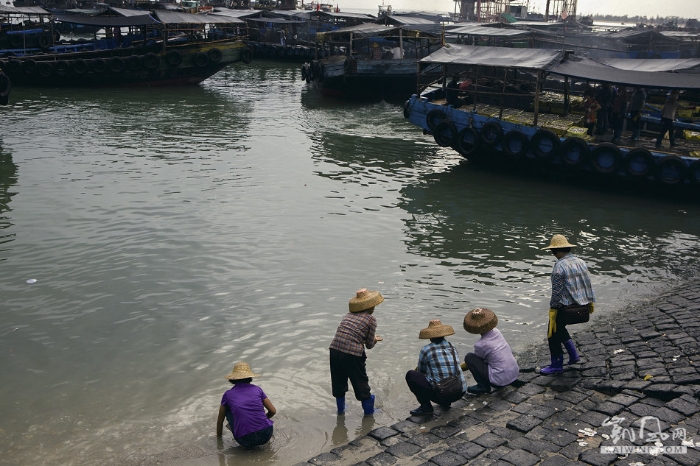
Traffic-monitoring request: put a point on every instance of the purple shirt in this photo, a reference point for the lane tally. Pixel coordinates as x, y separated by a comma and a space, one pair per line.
245, 402
493, 348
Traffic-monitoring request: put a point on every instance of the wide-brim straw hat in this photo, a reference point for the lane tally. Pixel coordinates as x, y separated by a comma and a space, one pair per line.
364, 300
241, 371
480, 320
559, 241
435, 329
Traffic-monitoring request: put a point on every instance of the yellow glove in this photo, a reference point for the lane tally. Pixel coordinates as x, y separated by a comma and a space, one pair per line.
552, 322
463, 366
591, 308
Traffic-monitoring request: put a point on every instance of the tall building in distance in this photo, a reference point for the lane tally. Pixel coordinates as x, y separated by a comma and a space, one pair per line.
492, 11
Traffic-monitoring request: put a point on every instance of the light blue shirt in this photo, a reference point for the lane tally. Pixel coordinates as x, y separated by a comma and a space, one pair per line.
571, 283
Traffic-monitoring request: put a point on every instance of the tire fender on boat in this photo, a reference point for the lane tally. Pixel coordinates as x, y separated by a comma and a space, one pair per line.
173, 58
491, 134
246, 56
13, 66
79, 66
639, 163
5, 85
15, 40
515, 144
467, 142
606, 158
545, 144
99, 65
671, 170
445, 134
29, 66
574, 152
45, 68
201, 59
134, 62
62, 67
151, 61
407, 109
304, 74
434, 118
694, 172
45, 41
214, 55
116, 65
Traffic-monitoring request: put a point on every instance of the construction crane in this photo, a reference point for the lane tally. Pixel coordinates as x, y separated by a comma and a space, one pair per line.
490, 11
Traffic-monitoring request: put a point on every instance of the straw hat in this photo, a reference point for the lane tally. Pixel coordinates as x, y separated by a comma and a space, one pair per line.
435, 329
364, 300
559, 241
241, 371
480, 320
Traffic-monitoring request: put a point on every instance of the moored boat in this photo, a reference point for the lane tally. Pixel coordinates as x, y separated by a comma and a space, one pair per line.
501, 119
136, 48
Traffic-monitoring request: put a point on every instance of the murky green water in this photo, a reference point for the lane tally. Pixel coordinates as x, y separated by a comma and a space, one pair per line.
174, 232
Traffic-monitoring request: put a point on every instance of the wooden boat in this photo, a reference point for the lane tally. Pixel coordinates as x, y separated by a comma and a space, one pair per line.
369, 61
158, 48
505, 122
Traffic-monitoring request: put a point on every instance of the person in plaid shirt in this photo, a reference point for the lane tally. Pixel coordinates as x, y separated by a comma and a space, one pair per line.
356, 332
436, 361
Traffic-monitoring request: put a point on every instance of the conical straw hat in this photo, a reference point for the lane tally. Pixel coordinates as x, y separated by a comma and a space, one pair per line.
365, 300
559, 241
435, 329
480, 320
241, 371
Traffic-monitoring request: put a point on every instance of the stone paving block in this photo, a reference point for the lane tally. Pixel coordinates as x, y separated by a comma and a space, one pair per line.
593, 418
571, 451
668, 415
531, 390
424, 440
686, 379
515, 397
445, 431
468, 450
685, 405
383, 433
382, 459
692, 458
464, 422
482, 461
637, 384
624, 400
500, 405
563, 438
403, 449
523, 423
498, 452
595, 458
489, 440
542, 411
324, 458
609, 408
572, 396
662, 391
521, 458
404, 426
448, 458
555, 460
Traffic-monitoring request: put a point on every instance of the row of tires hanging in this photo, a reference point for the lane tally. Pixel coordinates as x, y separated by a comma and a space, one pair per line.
481, 144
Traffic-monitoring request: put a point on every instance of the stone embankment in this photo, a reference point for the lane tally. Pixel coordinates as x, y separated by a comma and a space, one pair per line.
637, 385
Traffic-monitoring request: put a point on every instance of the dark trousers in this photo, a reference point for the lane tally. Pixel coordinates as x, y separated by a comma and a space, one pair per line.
424, 391
666, 125
479, 369
559, 337
346, 366
636, 123
261, 437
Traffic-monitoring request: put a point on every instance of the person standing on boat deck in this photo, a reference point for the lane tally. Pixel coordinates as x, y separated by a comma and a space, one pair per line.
619, 110
637, 102
604, 98
668, 114
452, 92
437, 361
244, 407
492, 363
590, 108
347, 351
376, 52
571, 287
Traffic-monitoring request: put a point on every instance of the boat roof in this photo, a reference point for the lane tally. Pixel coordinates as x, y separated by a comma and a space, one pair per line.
593, 71
118, 17
24, 10
493, 56
236, 13
365, 29
488, 31
266, 19
333, 14
178, 17
652, 64
406, 20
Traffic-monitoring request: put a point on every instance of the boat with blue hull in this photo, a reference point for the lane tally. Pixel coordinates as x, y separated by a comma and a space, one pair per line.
504, 118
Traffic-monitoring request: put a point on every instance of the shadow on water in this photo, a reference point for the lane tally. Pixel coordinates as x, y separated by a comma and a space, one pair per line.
8, 179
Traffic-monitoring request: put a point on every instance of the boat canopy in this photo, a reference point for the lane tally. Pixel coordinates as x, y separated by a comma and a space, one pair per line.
275, 20
406, 20
178, 17
236, 13
25, 10
643, 36
132, 18
360, 30
493, 56
652, 64
488, 31
593, 71
331, 14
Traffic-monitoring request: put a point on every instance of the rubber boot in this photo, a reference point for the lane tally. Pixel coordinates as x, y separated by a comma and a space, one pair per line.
340, 403
368, 405
556, 367
571, 349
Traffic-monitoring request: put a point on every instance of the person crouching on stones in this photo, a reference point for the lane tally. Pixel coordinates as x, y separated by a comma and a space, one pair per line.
347, 351
244, 407
492, 363
438, 362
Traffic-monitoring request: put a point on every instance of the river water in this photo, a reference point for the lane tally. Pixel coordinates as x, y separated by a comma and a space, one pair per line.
175, 232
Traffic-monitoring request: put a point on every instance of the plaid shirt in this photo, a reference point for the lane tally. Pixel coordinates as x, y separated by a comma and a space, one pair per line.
571, 283
438, 361
355, 331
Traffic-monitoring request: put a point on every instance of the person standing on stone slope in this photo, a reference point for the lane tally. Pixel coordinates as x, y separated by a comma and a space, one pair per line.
571, 287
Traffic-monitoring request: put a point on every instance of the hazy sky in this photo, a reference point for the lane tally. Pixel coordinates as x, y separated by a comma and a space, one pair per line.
651, 8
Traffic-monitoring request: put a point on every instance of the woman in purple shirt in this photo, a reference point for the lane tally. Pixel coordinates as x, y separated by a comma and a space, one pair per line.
492, 362
244, 407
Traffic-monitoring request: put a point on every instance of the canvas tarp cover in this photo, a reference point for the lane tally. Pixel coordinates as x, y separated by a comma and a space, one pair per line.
26, 10
361, 30
236, 13
332, 14
488, 31
652, 64
492, 56
118, 21
275, 20
594, 71
406, 20
177, 17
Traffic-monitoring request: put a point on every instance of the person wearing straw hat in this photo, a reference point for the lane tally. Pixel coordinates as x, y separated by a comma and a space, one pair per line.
356, 332
571, 286
437, 361
244, 407
492, 363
